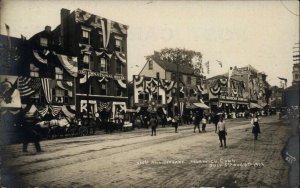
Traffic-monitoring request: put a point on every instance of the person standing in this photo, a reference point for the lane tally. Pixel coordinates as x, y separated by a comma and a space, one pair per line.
153, 124
215, 121
222, 132
30, 133
255, 126
203, 121
197, 123
175, 123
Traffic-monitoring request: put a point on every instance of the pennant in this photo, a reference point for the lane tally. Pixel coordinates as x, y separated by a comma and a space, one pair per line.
220, 63
106, 29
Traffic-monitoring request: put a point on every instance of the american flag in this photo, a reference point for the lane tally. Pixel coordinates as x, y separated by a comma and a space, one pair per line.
28, 85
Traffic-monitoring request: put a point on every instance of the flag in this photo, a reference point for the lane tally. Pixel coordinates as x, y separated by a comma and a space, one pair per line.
220, 63
207, 66
283, 79
46, 84
28, 86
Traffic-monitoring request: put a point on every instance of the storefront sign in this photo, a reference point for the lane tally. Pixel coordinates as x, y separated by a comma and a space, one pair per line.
99, 74
234, 98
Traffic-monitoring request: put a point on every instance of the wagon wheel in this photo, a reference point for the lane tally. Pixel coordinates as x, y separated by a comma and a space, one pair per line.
83, 131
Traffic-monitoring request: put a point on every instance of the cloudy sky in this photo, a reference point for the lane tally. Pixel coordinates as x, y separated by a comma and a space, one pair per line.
237, 33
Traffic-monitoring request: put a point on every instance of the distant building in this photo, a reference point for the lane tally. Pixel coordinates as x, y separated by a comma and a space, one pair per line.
276, 97
157, 73
296, 74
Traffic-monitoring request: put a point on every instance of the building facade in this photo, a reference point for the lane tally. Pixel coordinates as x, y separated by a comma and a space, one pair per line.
100, 46
157, 82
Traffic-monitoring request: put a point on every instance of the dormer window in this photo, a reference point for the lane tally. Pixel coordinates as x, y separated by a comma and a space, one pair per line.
150, 65
43, 41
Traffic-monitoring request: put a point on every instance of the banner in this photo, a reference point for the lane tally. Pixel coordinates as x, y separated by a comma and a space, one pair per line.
9, 94
47, 88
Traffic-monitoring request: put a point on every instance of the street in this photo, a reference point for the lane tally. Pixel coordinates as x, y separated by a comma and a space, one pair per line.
136, 159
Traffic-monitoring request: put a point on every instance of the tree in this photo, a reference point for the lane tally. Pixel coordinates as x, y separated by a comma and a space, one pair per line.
185, 57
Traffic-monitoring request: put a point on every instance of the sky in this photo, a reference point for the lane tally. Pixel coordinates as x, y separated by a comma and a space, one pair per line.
237, 33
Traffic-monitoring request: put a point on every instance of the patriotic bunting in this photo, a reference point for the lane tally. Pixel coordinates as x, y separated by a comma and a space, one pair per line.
69, 63
46, 84
223, 81
63, 85
65, 110
103, 79
55, 109
122, 83
121, 56
39, 58
42, 110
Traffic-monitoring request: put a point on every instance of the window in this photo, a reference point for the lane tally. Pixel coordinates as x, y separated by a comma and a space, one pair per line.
85, 36
119, 45
150, 65
189, 80
296, 76
59, 94
119, 68
34, 71
86, 58
103, 65
58, 73
44, 42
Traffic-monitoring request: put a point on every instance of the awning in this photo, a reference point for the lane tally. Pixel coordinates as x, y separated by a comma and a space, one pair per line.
255, 105
201, 105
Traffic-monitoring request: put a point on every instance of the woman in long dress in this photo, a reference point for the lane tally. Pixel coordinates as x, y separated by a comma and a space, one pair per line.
255, 126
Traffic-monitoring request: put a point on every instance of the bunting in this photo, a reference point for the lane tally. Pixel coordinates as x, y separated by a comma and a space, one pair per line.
64, 85
55, 110
42, 110
138, 80
69, 63
121, 56
223, 81
122, 83
46, 84
103, 79
39, 58
65, 110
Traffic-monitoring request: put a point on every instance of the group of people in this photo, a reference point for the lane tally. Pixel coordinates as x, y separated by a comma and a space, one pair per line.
31, 131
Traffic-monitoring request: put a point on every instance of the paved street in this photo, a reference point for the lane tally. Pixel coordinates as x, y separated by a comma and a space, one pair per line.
136, 159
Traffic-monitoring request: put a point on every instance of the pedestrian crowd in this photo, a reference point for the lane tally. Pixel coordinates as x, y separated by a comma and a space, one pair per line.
31, 132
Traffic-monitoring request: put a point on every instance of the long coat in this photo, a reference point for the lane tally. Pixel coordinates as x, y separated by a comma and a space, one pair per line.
255, 128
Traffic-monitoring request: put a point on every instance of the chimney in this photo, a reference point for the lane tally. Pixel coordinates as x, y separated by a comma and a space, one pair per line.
64, 14
48, 29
